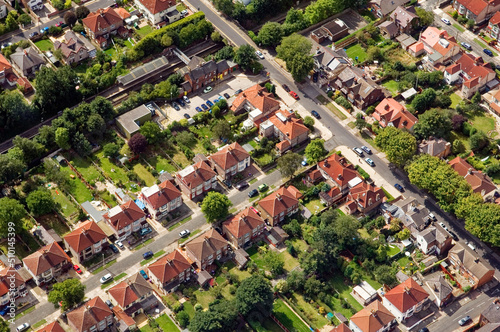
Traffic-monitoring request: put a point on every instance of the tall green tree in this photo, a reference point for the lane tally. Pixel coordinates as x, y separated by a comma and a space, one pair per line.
300, 66
288, 164
62, 138
255, 296
245, 56
71, 292
433, 123
398, 145
270, 34
11, 215
292, 45
81, 144
315, 151
96, 126
151, 131
222, 129
426, 17
111, 150
215, 206
220, 316
225, 6
40, 202
31, 149
10, 168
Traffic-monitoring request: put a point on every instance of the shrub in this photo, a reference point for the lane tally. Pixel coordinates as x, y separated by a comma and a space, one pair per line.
344, 103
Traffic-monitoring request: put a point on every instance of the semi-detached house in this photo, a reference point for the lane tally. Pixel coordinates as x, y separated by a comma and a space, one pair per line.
170, 271
243, 228
278, 205
46, 263
125, 219
161, 199
230, 160
405, 299
85, 241
196, 179
157, 11
477, 10
94, 315
207, 248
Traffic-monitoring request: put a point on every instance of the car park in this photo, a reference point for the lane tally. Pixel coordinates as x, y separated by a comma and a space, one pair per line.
237, 92
259, 54
184, 233
466, 46
315, 114
145, 231
109, 304
77, 269
216, 100
366, 149
464, 320
226, 95
358, 151
445, 21
186, 99
119, 244
209, 103
187, 116
106, 278
285, 87
294, 95
204, 107
176, 106
207, 89
181, 102
241, 185
253, 192
143, 274
370, 162
399, 187
488, 52
262, 187
198, 109
23, 327
114, 248
148, 255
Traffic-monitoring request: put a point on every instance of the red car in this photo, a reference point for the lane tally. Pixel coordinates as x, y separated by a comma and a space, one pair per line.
254, 210
77, 269
294, 95
59, 24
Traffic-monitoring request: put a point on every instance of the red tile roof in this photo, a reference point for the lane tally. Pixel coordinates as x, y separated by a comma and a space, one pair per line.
10, 274
372, 318
283, 145
157, 6
366, 195
52, 327
160, 195
455, 68
295, 192
258, 97
229, 156
122, 316
406, 295
45, 258
432, 36
315, 175
495, 19
474, 67
122, 12
338, 169
169, 267
195, 175
243, 223
460, 165
84, 236
206, 244
4, 63
89, 314
472, 82
291, 127
130, 290
479, 181
392, 111
341, 328
4, 288
277, 202
475, 6
102, 19
129, 213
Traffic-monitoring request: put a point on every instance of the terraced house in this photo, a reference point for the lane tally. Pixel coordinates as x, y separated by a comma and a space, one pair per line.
86, 240
161, 199
125, 219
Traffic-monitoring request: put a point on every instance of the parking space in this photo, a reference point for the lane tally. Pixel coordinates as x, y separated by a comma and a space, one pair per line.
197, 100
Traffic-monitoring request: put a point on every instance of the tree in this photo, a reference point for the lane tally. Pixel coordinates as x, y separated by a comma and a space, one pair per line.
225, 53
483, 221
82, 12
274, 262
10, 168
216, 37
346, 229
245, 56
11, 214
186, 138
426, 17
96, 126
476, 99
46, 136
182, 317
62, 138
10, 21
398, 145
40, 202
403, 234
270, 34
315, 151
222, 129
215, 206
289, 163
309, 122
225, 6
457, 121
478, 141
70, 18
138, 143
24, 19
423, 101
31, 149
71, 292
220, 316
433, 123
300, 66
385, 275
255, 295
296, 280
81, 144
151, 131
293, 45
111, 150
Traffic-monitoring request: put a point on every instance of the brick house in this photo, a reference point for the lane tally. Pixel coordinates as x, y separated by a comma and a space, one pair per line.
157, 11
405, 19
439, 46
334, 30
441, 289
5, 69
94, 315
132, 294
366, 196
405, 299
207, 248
476, 270
477, 10
170, 271
433, 240
287, 128
161, 199
125, 219
52, 327
382, 8
13, 284
101, 25
437, 147
359, 89
255, 97
243, 228
85, 241
197, 179
47, 262
391, 113
278, 205
27, 61
73, 49
490, 315
336, 169
493, 25
230, 160
373, 318
480, 182
199, 73
475, 74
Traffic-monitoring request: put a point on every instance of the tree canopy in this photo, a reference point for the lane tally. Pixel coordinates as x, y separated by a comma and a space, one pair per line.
40, 202
215, 206
295, 51
151, 131
433, 123
255, 295
245, 56
220, 316
270, 34
138, 143
71, 292
315, 151
289, 163
398, 145
11, 215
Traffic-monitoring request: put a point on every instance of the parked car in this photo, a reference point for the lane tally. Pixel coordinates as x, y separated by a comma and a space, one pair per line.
184, 233
146, 230
294, 95
370, 162
186, 99
241, 185
184, 12
114, 248
443, 226
147, 255
106, 278
315, 77
424, 329
366, 149
181, 102
6, 45
23, 327
204, 107
187, 116
399, 187
262, 187
109, 304
33, 34
143, 274
464, 320
432, 216
358, 151
255, 210
237, 92
227, 183
176, 106
471, 245
226, 95
315, 114
120, 245
488, 52
44, 30
453, 235
198, 109
285, 87
466, 46
207, 89
304, 162
209, 103
259, 54
4, 311
77, 269
445, 21
59, 24
253, 192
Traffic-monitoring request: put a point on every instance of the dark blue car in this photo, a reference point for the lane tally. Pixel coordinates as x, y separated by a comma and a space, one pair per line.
209, 103
198, 109
488, 52
204, 107
399, 187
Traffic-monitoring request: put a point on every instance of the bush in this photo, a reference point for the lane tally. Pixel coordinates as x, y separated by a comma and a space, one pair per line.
344, 103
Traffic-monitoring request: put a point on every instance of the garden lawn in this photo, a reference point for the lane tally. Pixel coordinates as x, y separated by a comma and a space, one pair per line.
256, 257
455, 99
481, 121
117, 175
264, 160
290, 261
480, 43
398, 54
356, 53
20, 249
392, 250
309, 311
85, 167
403, 261
108, 198
392, 86
233, 269
66, 205
288, 318
344, 291
314, 206
52, 221
144, 31
161, 164
44, 45
461, 137
322, 99
144, 174
364, 233
166, 324
189, 308
458, 27
78, 189
268, 325
204, 297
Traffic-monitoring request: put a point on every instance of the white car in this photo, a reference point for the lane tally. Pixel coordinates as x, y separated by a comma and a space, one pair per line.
443, 225
23, 327
106, 278
184, 233
259, 54
119, 244
445, 21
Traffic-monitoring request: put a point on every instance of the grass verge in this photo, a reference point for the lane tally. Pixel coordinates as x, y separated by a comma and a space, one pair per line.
158, 254
190, 235
183, 221
145, 243
108, 264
